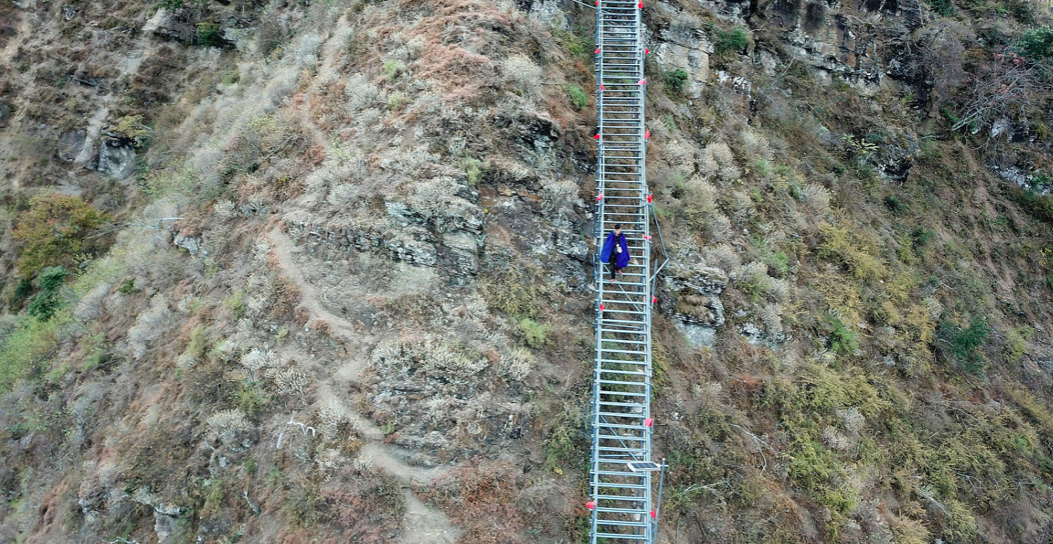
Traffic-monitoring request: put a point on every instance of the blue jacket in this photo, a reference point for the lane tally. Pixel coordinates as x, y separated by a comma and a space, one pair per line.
608, 247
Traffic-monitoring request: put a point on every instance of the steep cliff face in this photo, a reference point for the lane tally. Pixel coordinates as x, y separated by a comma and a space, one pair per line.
321, 271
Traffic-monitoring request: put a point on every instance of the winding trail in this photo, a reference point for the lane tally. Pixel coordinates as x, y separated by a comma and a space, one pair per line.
420, 523
284, 249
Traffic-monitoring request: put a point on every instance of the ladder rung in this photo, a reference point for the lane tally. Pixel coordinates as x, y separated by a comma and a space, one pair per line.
624, 372
620, 473
621, 486
621, 404
623, 394
611, 510
635, 451
618, 523
620, 426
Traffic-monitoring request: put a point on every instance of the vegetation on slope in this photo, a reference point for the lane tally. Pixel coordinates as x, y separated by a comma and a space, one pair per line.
882, 374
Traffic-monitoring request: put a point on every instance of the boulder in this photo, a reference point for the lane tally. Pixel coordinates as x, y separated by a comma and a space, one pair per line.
169, 520
683, 46
6, 111
116, 160
71, 143
188, 242
549, 14
897, 154
163, 24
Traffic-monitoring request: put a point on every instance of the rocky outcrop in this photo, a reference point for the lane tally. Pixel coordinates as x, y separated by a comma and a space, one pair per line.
116, 160
185, 25
683, 45
691, 295
436, 226
549, 13
169, 518
897, 153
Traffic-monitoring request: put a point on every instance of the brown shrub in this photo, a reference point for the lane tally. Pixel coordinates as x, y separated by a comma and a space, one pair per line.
289, 293
303, 315
483, 500
316, 154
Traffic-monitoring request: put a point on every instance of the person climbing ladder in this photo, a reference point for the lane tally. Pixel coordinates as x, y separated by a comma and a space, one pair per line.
615, 251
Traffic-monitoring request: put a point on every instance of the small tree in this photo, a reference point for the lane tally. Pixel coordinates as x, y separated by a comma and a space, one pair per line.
1004, 88
43, 305
56, 230
676, 80
1037, 44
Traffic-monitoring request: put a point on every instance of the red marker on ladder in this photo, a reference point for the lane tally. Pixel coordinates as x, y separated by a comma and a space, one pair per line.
646, 236
601, 86
602, 308
598, 50
641, 5
647, 135
591, 504
649, 197
652, 514
599, 197
649, 422
654, 300
596, 137
643, 81
647, 51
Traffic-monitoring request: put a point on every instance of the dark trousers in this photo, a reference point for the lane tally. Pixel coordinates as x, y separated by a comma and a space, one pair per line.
613, 263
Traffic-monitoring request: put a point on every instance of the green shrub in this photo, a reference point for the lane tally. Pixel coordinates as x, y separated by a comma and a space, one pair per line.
1036, 44
842, 339
853, 251
578, 99
942, 7
249, 398
778, 263
1021, 10
43, 305
535, 334
513, 293
236, 304
1036, 205
128, 287
131, 127
1016, 343
811, 465
392, 69
474, 168
580, 46
920, 237
208, 34
965, 343
56, 230
198, 342
895, 205
675, 80
565, 442
731, 41
24, 350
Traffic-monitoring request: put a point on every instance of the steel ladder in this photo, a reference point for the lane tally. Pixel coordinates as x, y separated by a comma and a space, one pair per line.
620, 497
